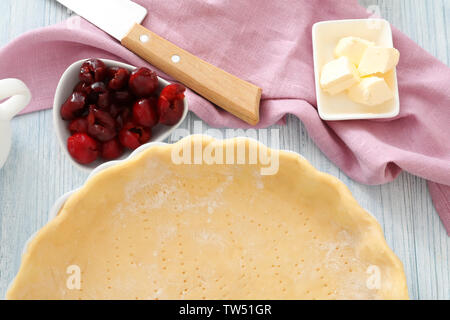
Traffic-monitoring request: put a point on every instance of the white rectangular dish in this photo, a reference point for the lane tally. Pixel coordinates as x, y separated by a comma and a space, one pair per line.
325, 36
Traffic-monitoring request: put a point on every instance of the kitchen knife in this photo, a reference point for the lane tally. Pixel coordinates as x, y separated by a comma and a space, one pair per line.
122, 19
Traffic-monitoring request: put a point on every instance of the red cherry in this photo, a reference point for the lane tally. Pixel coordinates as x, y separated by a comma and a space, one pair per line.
111, 71
173, 91
133, 136
104, 100
73, 106
99, 87
83, 148
101, 125
92, 70
112, 149
122, 118
144, 112
123, 97
83, 88
171, 105
100, 95
79, 125
101, 133
115, 110
143, 82
120, 77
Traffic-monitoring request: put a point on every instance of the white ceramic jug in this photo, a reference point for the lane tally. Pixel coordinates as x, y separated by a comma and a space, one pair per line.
19, 96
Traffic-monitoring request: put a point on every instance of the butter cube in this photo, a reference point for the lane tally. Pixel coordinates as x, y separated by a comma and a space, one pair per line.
338, 75
378, 60
371, 91
353, 48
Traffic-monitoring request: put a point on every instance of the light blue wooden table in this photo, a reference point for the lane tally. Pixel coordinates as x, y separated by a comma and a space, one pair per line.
37, 172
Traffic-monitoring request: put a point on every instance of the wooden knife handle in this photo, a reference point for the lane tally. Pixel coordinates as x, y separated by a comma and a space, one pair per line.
235, 95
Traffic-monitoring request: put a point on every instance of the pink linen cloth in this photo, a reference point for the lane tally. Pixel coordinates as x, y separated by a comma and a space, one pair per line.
269, 43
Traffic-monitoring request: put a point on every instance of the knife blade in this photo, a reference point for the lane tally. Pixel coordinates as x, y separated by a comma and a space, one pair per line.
125, 13
122, 19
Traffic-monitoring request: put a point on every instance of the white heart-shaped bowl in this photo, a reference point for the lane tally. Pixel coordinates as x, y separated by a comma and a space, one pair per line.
66, 84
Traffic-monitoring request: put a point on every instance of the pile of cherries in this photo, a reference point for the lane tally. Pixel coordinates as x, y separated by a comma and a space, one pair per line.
111, 109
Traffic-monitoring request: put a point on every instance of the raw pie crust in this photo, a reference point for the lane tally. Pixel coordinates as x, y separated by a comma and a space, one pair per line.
151, 229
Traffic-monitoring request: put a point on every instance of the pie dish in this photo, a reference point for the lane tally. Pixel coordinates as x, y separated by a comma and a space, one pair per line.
149, 227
